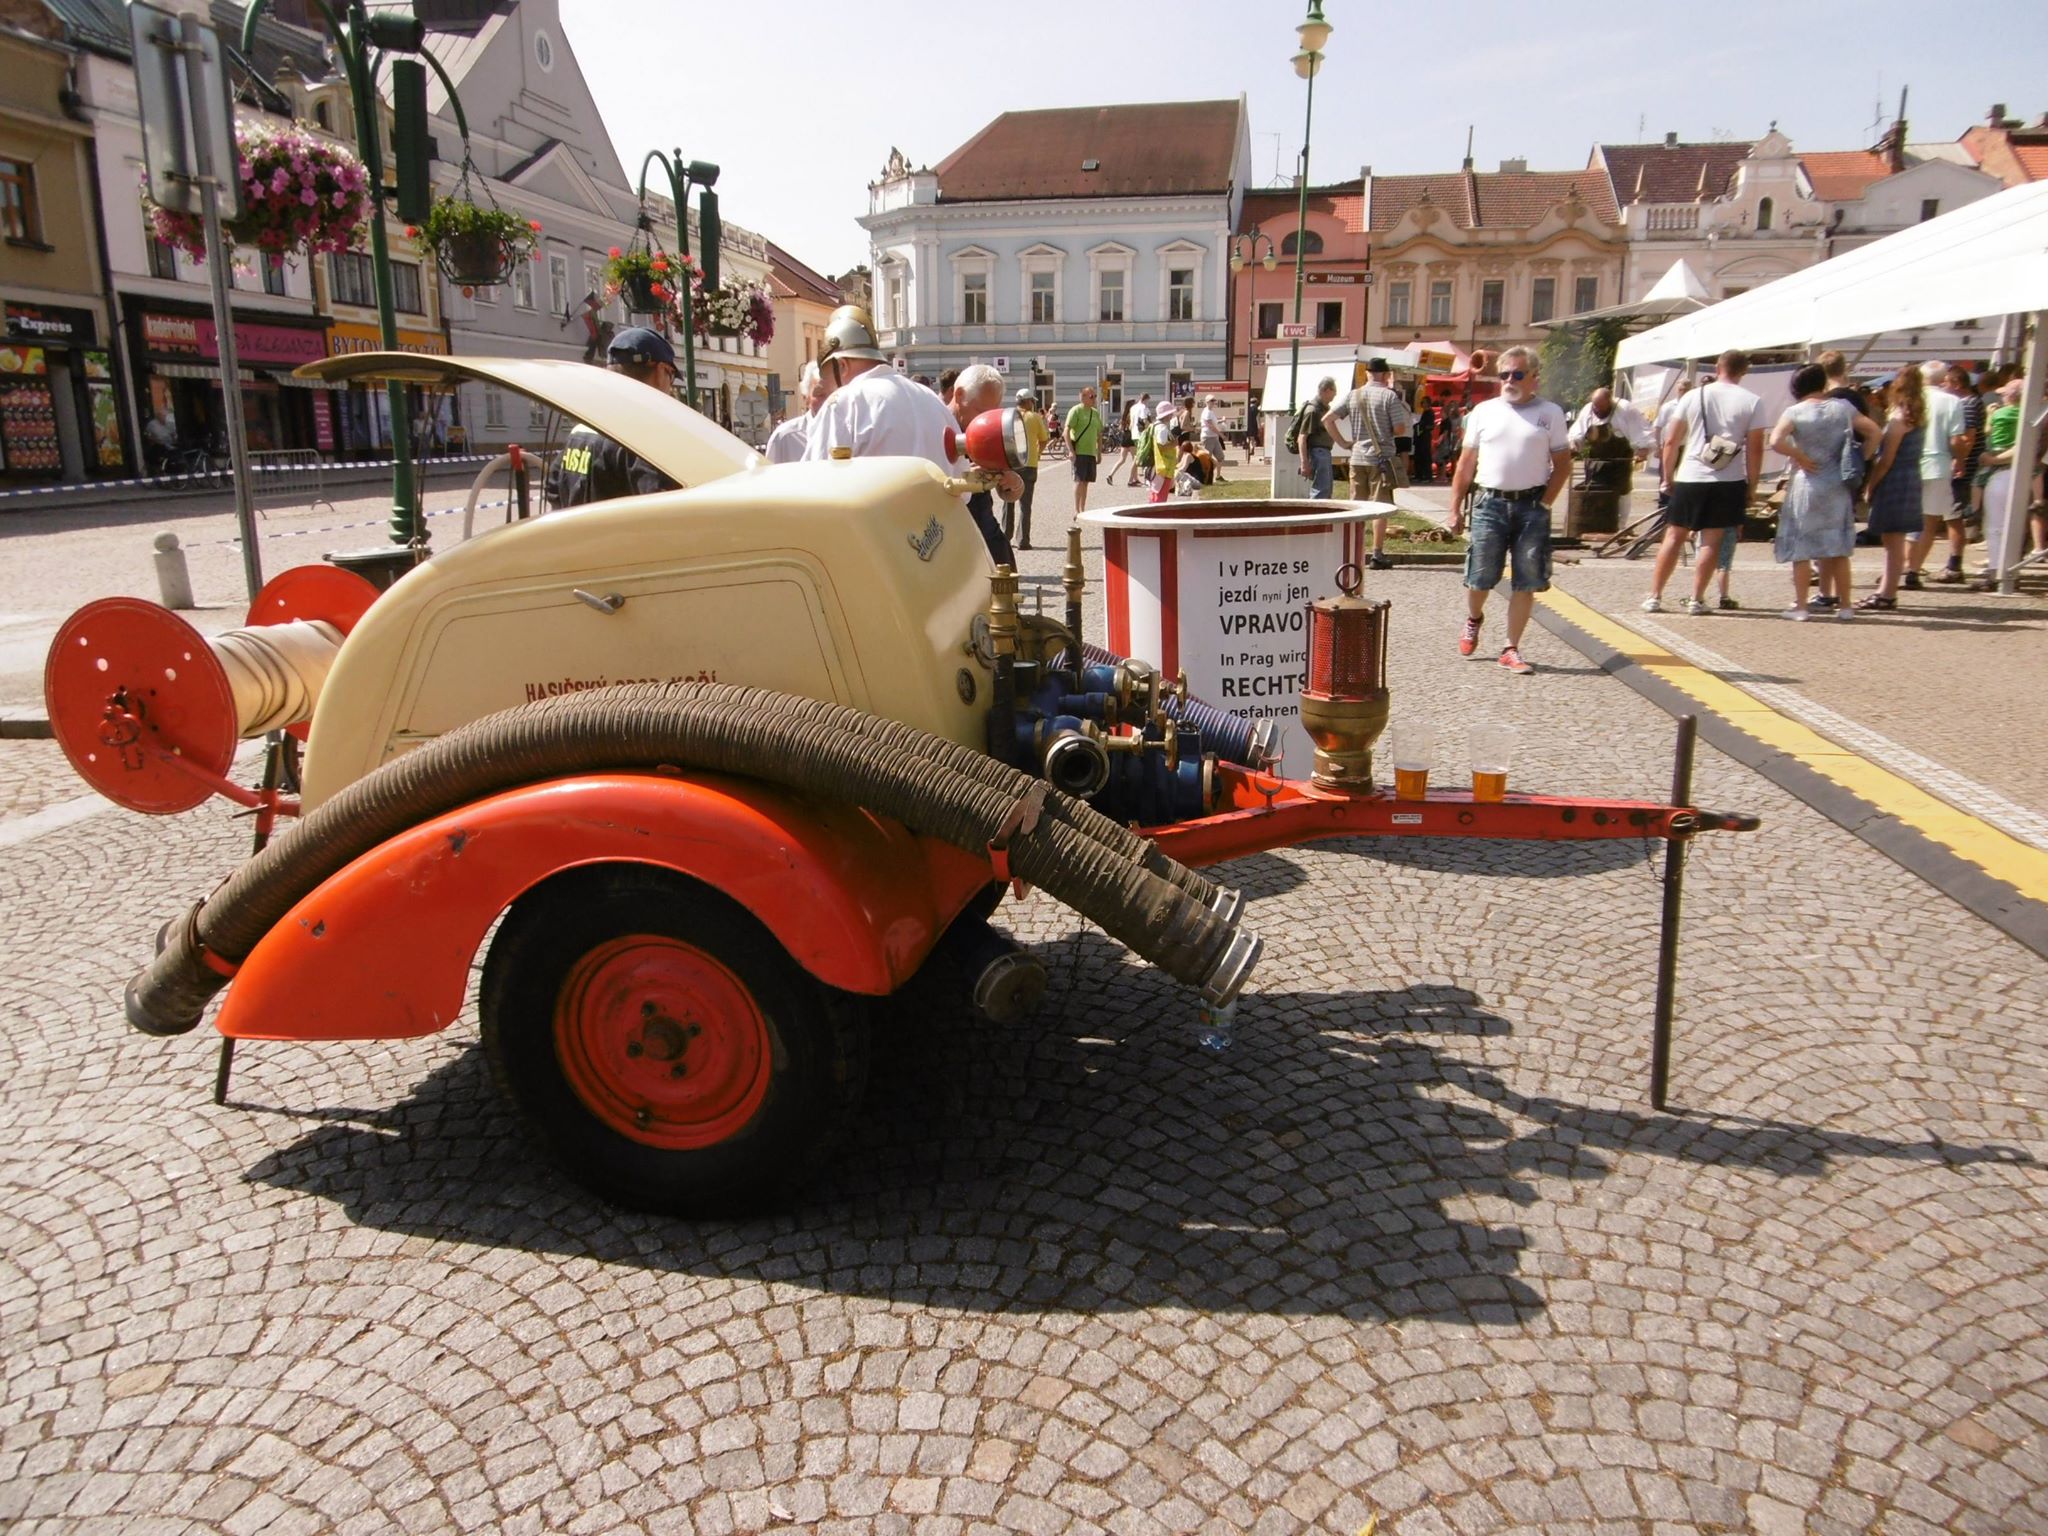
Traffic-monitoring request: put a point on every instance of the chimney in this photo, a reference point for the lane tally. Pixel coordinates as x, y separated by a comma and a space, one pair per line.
1513, 167
1671, 141
1468, 148
1996, 117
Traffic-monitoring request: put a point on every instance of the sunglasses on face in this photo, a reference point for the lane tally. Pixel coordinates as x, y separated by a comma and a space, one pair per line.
1517, 374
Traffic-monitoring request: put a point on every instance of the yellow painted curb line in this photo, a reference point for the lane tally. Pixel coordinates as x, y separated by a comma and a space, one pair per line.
1999, 855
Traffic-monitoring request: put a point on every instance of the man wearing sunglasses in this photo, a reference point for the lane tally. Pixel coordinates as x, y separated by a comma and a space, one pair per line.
1516, 459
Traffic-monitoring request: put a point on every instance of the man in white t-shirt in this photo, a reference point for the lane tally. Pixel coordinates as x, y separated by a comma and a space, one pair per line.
1713, 453
786, 442
873, 411
1516, 460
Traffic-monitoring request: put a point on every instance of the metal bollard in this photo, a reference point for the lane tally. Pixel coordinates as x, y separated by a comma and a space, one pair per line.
174, 582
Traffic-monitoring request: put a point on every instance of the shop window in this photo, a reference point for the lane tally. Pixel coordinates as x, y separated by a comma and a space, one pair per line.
1311, 245
974, 298
1109, 296
1543, 299
405, 288
1329, 317
1493, 301
163, 261
273, 275
1585, 294
18, 217
1270, 316
1400, 302
351, 279
1180, 293
1440, 303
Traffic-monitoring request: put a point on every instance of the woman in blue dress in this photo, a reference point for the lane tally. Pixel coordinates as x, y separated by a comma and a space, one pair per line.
1818, 520
1894, 483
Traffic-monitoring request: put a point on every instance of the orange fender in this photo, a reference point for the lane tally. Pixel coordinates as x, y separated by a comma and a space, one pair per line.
382, 950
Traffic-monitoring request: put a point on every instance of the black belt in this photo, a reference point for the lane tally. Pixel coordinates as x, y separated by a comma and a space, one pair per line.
1531, 494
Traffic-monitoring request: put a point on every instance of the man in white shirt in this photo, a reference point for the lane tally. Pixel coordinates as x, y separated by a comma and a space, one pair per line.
1141, 417
873, 410
1212, 434
1713, 453
1619, 416
1376, 417
786, 442
1517, 458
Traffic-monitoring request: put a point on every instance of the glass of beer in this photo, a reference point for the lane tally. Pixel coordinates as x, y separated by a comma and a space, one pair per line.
1492, 747
1414, 755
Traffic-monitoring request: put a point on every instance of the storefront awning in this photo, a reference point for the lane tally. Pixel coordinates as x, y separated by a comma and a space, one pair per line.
186, 370
296, 382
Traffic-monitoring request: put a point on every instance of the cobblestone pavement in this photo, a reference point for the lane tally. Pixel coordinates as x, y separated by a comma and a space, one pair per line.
1413, 1248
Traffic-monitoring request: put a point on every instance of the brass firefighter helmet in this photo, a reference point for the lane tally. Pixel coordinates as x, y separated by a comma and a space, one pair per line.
850, 333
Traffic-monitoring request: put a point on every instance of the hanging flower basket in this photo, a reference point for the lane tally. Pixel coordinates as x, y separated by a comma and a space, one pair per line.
476, 244
301, 195
647, 281
744, 310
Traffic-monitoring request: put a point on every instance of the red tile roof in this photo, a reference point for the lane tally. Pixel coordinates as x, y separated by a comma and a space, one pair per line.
1671, 173
2033, 159
1162, 149
1842, 175
802, 281
1489, 199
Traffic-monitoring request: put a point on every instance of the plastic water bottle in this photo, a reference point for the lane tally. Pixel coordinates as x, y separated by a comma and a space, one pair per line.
1217, 1024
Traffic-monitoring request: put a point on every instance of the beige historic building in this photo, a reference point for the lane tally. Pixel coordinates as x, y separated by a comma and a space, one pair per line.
1478, 258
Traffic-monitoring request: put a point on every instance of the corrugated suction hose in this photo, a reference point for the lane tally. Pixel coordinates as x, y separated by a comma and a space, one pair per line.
814, 749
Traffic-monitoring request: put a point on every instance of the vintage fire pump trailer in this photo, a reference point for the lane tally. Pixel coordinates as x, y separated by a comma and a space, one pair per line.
721, 765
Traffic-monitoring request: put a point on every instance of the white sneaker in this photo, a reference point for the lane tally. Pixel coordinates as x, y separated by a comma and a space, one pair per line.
1798, 615
1696, 609
1846, 611
1653, 605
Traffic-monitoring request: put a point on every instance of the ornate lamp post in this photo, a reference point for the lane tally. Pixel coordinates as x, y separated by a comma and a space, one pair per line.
1314, 33
360, 36
681, 174
1244, 250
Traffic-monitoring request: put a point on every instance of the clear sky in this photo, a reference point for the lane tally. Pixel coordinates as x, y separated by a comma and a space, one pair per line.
800, 102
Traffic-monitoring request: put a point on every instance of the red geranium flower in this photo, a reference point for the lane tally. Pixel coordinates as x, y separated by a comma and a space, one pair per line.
613, 253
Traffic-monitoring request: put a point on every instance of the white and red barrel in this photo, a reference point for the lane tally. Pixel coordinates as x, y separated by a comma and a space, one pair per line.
1220, 590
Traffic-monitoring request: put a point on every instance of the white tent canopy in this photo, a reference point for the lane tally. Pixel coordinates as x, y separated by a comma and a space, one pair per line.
1678, 292
1988, 258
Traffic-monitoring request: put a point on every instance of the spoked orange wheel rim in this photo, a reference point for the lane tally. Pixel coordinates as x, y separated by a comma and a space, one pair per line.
662, 1042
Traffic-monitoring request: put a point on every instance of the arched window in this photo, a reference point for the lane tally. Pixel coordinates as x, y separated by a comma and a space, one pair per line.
1763, 214
320, 115
1311, 245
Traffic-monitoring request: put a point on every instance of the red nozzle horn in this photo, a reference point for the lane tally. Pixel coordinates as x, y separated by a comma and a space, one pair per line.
996, 440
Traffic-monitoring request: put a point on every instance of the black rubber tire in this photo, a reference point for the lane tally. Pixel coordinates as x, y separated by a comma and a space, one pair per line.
819, 1044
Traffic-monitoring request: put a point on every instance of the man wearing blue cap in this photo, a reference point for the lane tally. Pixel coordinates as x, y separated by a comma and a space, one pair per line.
593, 467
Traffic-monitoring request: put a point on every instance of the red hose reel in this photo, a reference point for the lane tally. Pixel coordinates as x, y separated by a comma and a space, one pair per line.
143, 706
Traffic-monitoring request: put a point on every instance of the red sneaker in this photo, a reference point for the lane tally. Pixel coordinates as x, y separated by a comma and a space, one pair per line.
1468, 642
1512, 660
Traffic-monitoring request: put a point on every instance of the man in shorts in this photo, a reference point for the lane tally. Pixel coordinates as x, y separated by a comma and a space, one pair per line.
1516, 460
1084, 435
1713, 453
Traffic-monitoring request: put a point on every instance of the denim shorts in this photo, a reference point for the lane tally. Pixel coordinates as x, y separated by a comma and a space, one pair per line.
1501, 528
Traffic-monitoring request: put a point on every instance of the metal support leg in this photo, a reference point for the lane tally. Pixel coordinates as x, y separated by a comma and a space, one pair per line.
273, 772
1674, 901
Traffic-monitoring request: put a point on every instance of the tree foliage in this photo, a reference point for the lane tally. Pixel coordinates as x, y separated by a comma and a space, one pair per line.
1578, 359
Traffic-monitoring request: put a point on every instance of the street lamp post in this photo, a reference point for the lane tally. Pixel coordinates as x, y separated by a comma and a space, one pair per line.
359, 36
681, 173
1314, 33
1244, 250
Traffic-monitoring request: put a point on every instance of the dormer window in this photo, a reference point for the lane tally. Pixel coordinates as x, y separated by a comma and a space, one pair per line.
1763, 215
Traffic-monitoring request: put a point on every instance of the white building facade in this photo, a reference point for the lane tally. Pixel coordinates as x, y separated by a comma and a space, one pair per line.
1086, 246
